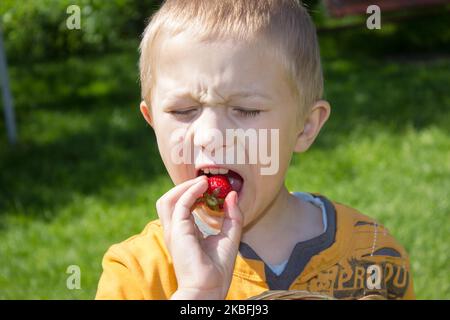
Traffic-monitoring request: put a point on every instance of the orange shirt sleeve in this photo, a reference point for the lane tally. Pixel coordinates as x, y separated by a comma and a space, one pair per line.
119, 279
138, 268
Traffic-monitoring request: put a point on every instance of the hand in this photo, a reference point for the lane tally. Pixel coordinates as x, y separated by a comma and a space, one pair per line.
203, 267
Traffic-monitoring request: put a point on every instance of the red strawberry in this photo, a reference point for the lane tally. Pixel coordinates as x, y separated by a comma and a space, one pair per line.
218, 189
219, 186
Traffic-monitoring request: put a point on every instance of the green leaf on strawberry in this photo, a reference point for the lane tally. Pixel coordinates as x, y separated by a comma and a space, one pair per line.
218, 189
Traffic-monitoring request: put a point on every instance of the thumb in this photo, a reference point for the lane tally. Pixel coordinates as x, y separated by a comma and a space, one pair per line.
233, 221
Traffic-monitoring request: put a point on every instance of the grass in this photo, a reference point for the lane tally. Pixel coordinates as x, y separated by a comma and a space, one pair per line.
87, 172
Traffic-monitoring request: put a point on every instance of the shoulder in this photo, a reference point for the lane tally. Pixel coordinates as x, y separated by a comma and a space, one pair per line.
367, 250
138, 268
368, 235
145, 246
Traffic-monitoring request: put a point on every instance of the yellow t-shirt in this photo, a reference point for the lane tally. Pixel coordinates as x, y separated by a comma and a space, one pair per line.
354, 257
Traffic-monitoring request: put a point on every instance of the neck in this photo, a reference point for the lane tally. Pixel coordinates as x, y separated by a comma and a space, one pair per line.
275, 220
285, 222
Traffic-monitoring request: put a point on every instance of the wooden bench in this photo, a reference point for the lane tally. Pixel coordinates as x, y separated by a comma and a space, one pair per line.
340, 8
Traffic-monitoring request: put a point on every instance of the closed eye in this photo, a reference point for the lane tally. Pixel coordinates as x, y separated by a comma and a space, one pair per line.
247, 112
185, 112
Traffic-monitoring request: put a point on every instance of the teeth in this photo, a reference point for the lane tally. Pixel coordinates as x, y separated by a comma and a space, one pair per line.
214, 171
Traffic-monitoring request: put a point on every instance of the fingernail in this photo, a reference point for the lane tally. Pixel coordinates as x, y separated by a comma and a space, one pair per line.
200, 178
236, 199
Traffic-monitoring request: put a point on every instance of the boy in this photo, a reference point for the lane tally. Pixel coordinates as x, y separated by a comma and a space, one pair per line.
219, 65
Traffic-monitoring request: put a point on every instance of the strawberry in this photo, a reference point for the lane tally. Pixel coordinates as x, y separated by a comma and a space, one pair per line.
218, 189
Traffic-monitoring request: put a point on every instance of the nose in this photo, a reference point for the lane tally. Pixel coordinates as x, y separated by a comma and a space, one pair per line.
209, 129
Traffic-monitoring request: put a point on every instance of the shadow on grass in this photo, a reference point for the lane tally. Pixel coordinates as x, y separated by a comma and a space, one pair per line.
395, 93
76, 83
80, 133
394, 78
37, 179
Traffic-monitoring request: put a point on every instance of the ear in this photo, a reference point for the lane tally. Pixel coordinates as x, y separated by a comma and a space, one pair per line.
311, 126
145, 110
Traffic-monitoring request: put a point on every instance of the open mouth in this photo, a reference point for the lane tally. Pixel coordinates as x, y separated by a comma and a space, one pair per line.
235, 179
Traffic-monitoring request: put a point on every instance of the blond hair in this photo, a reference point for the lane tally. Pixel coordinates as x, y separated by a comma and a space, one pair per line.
284, 23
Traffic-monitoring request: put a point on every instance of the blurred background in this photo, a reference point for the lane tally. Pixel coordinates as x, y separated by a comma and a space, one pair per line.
85, 171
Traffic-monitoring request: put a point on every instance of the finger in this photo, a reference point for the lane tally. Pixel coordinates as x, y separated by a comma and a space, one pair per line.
233, 221
165, 205
167, 202
182, 210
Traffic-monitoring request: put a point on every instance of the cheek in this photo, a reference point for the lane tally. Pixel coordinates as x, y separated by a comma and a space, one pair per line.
170, 144
260, 193
263, 189
164, 147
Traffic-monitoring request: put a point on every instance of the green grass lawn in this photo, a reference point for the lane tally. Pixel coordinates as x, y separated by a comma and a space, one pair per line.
87, 173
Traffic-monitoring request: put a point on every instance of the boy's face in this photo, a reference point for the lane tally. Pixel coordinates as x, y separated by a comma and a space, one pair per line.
223, 85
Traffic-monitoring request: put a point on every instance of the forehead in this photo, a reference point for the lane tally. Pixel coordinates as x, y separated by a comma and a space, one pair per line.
225, 67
